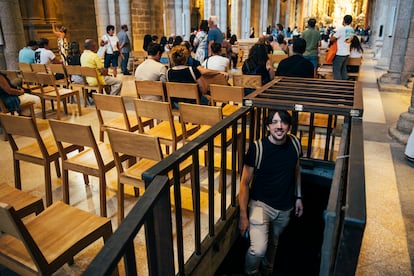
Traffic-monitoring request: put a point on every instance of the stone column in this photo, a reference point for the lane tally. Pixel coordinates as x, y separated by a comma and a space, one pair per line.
11, 34
236, 18
263, 18
402, 60
124, 15
50, 10
169, 16
403, 53
102, 17
245, 18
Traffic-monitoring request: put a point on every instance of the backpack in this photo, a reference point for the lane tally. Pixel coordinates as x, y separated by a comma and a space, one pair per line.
259, 149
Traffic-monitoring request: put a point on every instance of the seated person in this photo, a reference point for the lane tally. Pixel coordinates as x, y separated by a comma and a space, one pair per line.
216, 61
258, 63
296, 65
191, 61
181, 72
90, 58
13, 97
152, 69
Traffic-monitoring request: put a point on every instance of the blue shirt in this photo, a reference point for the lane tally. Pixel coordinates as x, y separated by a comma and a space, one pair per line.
26, 55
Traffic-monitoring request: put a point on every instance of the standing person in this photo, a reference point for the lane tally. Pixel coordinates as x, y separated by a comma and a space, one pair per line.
27, 54
90, 58
43, 55
296, 65
312, 38
214, 33
275, 191
125, 48
343, 37
200, 41
62, 42
110, 39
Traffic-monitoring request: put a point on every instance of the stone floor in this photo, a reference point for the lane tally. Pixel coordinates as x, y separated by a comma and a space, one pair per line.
388, 243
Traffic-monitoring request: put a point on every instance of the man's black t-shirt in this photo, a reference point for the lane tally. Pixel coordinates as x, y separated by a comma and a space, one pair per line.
274, 183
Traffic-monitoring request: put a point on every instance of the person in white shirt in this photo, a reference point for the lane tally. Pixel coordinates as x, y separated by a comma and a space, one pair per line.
152, 68
112, 49
43, 55
216, 61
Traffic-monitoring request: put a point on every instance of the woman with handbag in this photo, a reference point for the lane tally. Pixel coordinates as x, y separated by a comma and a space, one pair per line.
110, 40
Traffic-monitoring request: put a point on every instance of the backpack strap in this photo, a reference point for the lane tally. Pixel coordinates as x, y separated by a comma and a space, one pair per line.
259, 153
296, 143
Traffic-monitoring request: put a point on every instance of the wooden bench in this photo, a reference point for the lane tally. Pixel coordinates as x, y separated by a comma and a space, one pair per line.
325, 71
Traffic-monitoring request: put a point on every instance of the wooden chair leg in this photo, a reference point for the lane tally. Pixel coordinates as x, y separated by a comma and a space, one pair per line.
65, 186
17, 176
120, 202
102, 194
48, 184
79, 104
57, 167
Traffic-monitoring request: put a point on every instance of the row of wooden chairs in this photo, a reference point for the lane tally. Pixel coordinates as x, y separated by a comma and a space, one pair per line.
95, 158
40, 245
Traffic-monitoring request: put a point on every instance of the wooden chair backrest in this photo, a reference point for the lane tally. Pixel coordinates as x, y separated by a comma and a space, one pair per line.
110, 103
226, 94
22, 126
134, 144
153, 109
39, 68
89, 72
25, 67
3, 107
63, 132
276, 59
354, 61
247, 81
73, 70
183, 90
11, 74
11, 224
30, 77
57, 68
46, 79
200, 114
147, 87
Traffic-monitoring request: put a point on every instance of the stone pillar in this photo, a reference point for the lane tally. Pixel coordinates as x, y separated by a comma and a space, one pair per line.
402, 60
236, 22
102, 17
11, 34
245, 19
182, 15
124, 14
169, 16
401, 131
50, 11
263, 19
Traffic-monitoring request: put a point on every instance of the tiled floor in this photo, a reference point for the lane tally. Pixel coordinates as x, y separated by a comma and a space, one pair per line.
388, 244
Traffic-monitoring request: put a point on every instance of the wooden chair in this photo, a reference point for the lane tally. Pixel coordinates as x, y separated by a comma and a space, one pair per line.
247, 81
30, 81
25, 67
231, 96
95, 160
167, 129
43, 244
59, 68
50, 91
12, 75
88, 72
276, 59
75, 70
354, 62
148, 151
25, 106
24, 203
41, 151
39, 68
188, 91
147, 90
205, 117
107, 106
